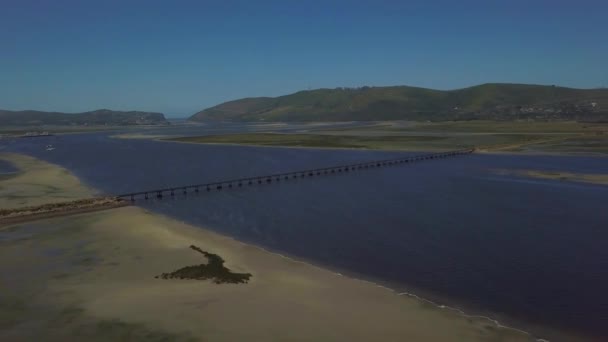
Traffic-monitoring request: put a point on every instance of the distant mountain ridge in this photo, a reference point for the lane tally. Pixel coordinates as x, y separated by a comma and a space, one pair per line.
96, 117
495, 101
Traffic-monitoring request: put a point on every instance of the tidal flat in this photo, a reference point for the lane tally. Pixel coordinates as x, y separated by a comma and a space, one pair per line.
91, 277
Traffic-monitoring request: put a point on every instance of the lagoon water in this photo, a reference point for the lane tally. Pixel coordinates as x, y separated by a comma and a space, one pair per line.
452, 230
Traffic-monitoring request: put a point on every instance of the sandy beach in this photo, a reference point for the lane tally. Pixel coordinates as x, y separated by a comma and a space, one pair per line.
92, 277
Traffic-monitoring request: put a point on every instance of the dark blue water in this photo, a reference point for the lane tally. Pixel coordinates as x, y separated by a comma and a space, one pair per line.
452, 229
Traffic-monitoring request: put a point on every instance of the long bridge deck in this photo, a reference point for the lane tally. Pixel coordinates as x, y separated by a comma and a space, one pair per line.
240, 182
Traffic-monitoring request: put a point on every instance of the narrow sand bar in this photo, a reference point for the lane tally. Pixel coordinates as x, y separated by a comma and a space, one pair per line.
91, 276
38, 183
596, 178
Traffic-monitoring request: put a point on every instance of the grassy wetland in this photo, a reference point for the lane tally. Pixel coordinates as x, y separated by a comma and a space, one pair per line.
489, 136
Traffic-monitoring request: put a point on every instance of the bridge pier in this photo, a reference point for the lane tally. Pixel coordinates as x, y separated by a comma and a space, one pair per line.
295, 175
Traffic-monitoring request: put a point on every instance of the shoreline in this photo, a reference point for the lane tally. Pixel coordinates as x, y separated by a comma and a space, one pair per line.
24, 218
387, 287
510, 323
171, 139
326, 268
340, 273
195, 230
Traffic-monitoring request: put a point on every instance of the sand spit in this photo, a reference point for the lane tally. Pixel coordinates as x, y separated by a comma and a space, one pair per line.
30, 213
38, 182
140, 136
601, 179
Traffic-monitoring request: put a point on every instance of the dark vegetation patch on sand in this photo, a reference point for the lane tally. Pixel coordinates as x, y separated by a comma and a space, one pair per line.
214, 269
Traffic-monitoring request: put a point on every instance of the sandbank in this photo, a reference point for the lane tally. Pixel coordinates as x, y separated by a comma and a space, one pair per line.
597, 178
92, 277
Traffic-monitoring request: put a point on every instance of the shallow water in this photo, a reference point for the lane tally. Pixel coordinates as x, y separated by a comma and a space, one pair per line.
6, 167
451, 228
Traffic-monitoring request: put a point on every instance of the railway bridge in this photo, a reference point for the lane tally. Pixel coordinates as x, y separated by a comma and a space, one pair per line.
286, 176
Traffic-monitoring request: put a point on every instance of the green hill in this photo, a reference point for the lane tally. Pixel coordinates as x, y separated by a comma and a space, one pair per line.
487, 101
97, 117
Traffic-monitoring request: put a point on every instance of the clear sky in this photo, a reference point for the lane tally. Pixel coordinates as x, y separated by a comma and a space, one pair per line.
179, 57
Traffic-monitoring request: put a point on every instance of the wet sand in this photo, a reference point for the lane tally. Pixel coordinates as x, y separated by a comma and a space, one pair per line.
38, 183
91, 277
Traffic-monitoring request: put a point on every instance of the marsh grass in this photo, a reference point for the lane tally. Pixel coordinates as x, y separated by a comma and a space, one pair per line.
571, 137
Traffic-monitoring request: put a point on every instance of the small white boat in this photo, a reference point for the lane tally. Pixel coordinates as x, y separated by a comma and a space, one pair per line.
49, 147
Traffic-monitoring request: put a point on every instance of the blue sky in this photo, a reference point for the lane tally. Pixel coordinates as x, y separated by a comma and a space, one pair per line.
178, 57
